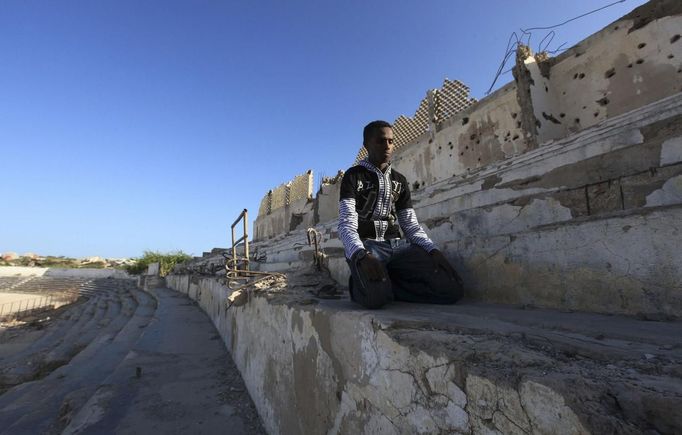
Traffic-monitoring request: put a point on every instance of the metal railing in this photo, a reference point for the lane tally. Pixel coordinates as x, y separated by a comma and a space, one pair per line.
314, 240
237, 267
234, 263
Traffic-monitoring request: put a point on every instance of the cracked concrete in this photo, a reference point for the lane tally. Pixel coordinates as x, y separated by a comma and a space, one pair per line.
561, 190
586, 141
320, 366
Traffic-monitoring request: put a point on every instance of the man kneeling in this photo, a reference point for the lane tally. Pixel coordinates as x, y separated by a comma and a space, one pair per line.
385, 267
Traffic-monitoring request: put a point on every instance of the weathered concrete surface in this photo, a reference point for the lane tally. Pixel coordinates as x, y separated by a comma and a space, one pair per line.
187, 382
122, 361
568, 179
599, 210
317, 366
632, 62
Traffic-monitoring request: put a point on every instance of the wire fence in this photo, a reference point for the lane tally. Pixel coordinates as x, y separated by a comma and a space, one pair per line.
26, 307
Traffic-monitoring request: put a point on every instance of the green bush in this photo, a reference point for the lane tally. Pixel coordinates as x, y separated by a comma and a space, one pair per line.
166, 262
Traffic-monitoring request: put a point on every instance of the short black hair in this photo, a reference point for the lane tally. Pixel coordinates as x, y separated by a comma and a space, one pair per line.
371, 129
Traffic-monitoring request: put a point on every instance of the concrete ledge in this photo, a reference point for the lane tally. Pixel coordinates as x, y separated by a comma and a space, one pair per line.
318, 366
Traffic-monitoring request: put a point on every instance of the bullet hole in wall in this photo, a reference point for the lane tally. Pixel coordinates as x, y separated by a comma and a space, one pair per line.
581, 76
562, 115
674, 39
603, 101
641, 45
610, 73
465, 120
639, 61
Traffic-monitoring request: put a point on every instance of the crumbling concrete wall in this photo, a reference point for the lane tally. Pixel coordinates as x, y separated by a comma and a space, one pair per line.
534, 208
632, 62
286, 208
311, 371
292, 216
586, 223
313, 367
327, 199
489, 131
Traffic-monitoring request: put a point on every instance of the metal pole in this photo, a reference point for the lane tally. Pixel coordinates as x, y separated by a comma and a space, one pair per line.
234, 251
246, 237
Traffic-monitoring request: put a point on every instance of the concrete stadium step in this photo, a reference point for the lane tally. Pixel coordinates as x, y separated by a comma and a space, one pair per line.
8, 283
108, 308
408, 363
147, 386
103, 314
57, 329
73, 318
48, 284
34, 407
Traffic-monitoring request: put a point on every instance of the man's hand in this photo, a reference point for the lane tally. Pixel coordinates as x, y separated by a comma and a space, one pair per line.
372, 268
439, 261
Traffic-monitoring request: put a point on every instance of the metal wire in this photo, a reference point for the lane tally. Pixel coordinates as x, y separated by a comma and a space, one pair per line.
574, 18
527, 33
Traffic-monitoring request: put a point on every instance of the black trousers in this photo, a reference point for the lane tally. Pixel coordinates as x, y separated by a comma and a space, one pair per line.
413, 277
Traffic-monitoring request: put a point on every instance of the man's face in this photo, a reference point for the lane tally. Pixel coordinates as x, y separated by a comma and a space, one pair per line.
380, 147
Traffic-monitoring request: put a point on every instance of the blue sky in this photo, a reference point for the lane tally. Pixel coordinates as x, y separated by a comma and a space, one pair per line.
134, 125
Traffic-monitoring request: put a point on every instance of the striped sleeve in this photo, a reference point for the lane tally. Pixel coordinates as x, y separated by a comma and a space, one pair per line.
348, 227
407, 219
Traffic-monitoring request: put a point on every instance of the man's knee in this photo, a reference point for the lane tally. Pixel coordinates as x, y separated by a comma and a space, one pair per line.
374, 300
373, 295
447, 289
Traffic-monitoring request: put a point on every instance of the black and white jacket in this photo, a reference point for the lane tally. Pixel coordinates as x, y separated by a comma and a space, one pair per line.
369, 203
